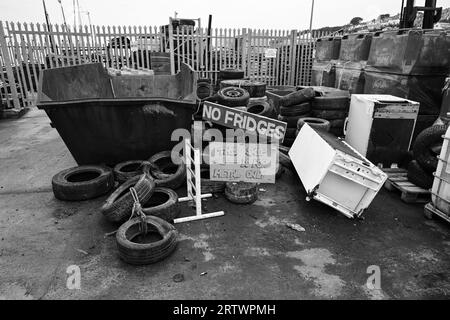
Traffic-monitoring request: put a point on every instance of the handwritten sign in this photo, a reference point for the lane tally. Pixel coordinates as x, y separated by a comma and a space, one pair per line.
236, 119
243, 162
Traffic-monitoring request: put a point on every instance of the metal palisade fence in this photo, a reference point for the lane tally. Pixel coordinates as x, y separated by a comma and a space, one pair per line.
273, 56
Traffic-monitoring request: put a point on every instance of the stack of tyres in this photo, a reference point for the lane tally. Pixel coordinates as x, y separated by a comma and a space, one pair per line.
228, 74
293, 107
333, 105
411, 64
275, 94
323, 69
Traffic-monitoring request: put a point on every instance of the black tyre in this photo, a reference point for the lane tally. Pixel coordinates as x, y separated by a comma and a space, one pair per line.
82, 183
283, 149
117, 208
315, 123
290, 133
329, 114
162, 204
209, 186
418, 176
285, 161
214, 98
280, 171
128, 169
262, 109
424, 144
256, 89
296, 110
135, 253
233, 97
204, 89
241, 192
167, 174
339, 123
337, 131
331, 103
288, 142
259, 100
291, 121
297, 97
231, 74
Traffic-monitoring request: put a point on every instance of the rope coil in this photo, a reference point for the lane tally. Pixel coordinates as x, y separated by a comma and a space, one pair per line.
137, 211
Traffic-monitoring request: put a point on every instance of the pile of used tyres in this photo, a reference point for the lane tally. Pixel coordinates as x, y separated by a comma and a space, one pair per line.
142, 200
426, 149
333, 106
236, 92
322, 108
293, 107
154, 182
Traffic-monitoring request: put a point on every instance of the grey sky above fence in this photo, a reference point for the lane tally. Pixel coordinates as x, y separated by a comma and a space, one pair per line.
263, 14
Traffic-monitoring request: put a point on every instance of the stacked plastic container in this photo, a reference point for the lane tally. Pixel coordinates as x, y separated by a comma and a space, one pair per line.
324, 66
350, 67
411, 64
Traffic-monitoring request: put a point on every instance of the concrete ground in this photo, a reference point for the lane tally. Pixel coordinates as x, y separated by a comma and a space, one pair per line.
248, 254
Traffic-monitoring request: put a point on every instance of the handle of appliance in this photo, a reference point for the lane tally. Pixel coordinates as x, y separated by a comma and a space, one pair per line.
345, 126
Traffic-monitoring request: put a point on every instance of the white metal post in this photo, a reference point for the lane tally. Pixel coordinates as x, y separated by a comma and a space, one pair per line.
171, 48
194, 191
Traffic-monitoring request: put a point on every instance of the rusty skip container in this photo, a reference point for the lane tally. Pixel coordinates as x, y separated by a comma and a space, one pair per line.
355, 47
411, 51
105, 119
327, 48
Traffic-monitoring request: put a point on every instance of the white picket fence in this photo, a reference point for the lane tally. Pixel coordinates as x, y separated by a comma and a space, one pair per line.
272, 56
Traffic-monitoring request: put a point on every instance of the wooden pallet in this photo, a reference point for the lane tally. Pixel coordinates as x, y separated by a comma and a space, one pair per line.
430, 211
410, 193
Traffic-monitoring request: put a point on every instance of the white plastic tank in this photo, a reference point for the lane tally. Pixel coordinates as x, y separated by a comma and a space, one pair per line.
441, 185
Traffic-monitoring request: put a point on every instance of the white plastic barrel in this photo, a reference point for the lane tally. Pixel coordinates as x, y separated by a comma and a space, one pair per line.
441, 185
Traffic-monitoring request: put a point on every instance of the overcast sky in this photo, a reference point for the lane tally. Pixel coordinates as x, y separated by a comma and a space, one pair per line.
264, 14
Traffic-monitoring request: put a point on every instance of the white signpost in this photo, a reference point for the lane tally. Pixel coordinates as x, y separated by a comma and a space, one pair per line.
194, 192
